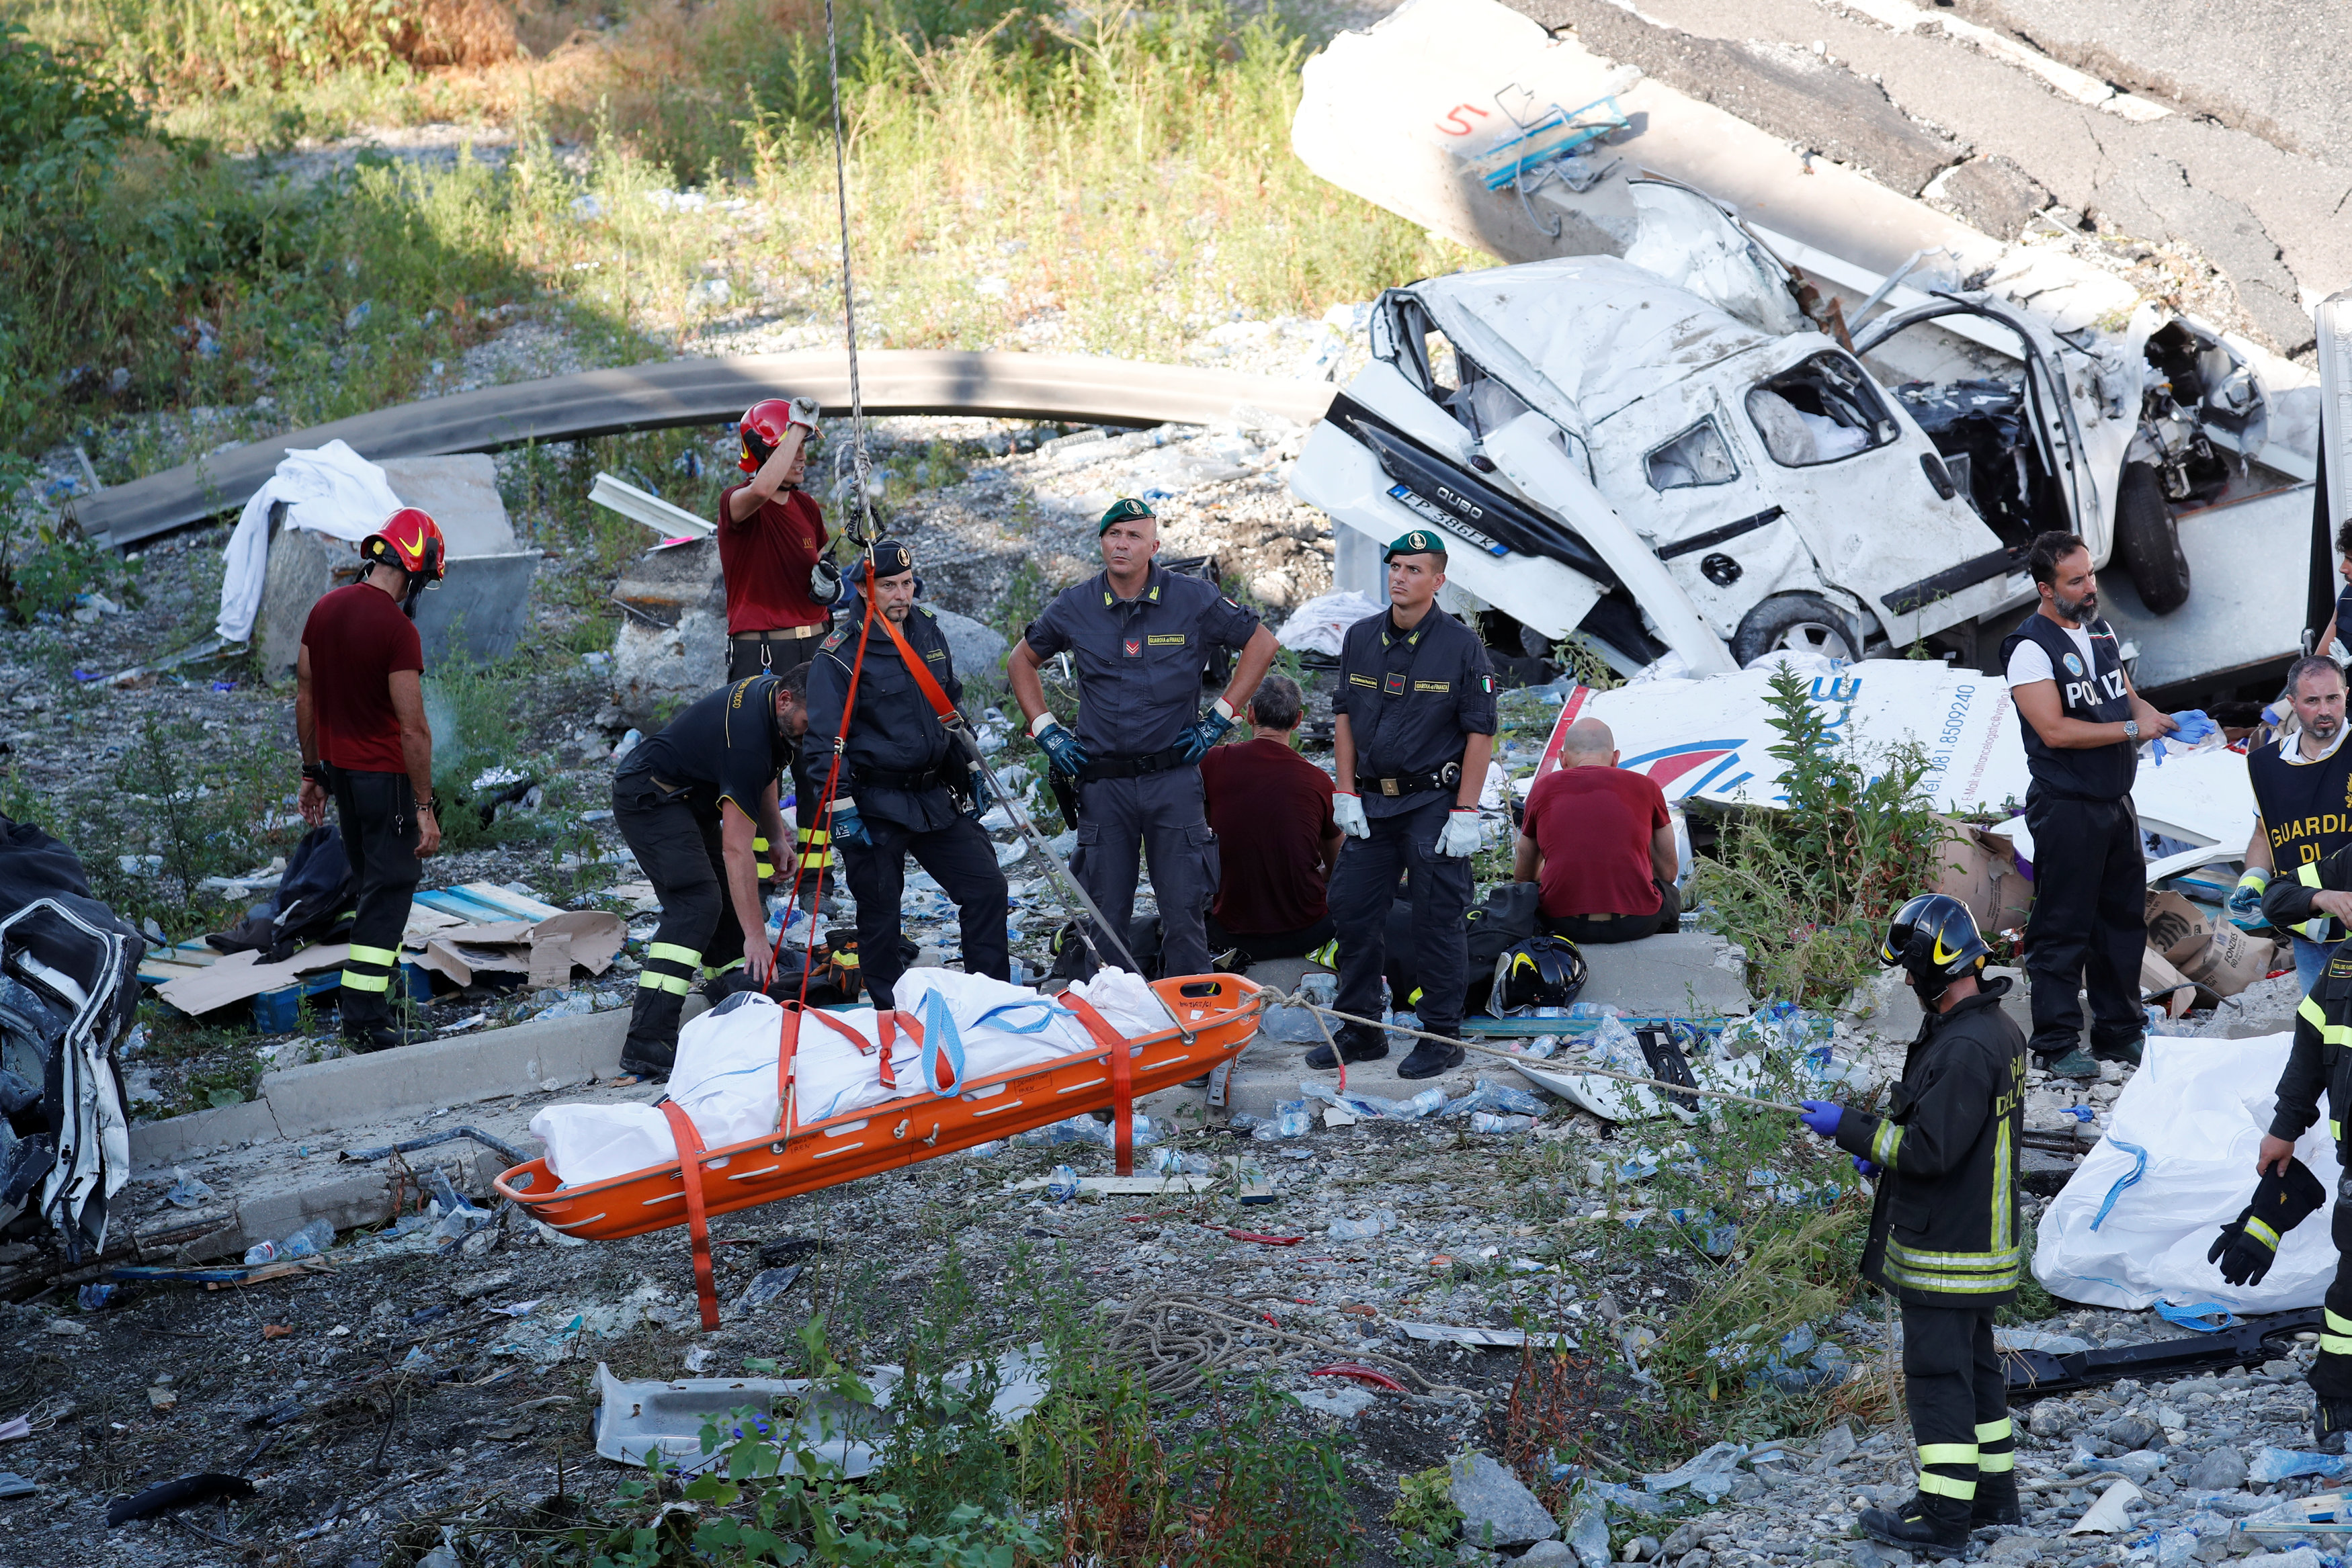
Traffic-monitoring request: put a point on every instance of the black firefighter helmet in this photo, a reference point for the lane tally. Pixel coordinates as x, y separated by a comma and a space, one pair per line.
1934, 939
1541, 972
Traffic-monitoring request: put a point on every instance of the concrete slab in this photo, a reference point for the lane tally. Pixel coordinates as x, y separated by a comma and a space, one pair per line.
1683, 974
1890, 1009
356, 1092
1269, 1070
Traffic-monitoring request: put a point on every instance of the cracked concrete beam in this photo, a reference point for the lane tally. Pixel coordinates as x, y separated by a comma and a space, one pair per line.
1991, 194
1785, 91
2152, 197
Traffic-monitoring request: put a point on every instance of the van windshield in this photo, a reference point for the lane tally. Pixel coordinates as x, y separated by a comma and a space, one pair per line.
1820, 411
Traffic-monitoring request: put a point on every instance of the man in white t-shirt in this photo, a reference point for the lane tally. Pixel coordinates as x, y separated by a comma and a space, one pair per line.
2082, 728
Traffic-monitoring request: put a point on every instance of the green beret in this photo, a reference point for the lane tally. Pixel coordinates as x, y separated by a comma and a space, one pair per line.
1420, 541
1126, 509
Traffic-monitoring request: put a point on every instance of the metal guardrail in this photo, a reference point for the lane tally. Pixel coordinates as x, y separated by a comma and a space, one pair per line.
707, 391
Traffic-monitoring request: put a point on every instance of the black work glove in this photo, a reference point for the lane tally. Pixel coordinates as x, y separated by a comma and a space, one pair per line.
2248, 1245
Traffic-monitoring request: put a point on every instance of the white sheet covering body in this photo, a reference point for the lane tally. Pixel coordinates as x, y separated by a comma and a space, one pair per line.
2189, 1123
725, 1074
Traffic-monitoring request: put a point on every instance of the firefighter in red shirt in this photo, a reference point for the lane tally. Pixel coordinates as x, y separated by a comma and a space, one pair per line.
780, 581
358, 716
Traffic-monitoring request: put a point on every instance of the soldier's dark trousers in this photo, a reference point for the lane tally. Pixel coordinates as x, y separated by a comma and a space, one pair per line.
1160, 815
1957, 1399
2089, 922
678, 849
962, 861
377, 813
1363, 887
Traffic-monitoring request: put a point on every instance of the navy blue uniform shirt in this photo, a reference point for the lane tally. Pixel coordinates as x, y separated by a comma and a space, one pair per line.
1411, 699
895, 727
1139, 660
726, 746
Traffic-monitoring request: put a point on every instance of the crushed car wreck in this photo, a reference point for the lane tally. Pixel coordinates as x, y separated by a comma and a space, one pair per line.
1665, 452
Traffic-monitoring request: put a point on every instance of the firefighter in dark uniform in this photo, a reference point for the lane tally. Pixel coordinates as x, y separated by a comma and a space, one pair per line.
1414, 727
359, 718
901, 774
2082, 728
688, 803
1141, 636
2319, 1062
1944, 1233
2303, 807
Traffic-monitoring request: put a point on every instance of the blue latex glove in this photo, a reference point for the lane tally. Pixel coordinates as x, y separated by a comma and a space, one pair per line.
849, 827
2245, 901
1821, 1116
1864, 1167
1203, 733
1063, 746
2195, 725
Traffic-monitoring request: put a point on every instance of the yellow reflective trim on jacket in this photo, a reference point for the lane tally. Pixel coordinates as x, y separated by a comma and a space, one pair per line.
2004, 1209
1953, 1273
1945, 1486
1884, 1145
2335, 1344
2312, 1013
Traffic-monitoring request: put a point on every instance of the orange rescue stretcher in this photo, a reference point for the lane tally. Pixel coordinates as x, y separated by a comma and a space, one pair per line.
1217, 1016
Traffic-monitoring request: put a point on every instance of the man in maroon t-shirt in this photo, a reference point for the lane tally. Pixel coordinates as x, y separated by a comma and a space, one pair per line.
780, 582
358, 717
1271, 811
1600, 842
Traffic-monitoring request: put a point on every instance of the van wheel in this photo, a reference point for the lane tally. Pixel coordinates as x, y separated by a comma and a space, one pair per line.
1799, 623
2149, 540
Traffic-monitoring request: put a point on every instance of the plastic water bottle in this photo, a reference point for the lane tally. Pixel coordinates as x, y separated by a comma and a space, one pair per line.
314, 1237
627, 744
1487, 1122
1063, 1185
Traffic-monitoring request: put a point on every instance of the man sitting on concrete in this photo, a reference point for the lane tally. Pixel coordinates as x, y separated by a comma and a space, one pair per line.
1600, 840
1271, 811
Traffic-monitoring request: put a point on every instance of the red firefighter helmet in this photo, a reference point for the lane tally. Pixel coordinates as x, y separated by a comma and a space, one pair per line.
411, 540
762, 429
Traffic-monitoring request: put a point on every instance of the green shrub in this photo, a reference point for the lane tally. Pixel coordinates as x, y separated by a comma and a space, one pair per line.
1806, 889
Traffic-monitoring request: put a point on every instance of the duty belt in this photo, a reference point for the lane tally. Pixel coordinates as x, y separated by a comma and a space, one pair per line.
1133, 766
887, 779
782, 633
1445, 777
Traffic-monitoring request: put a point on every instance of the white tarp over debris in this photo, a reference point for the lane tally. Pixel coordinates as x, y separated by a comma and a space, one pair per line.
2134, 1223
1711, 739
330, 489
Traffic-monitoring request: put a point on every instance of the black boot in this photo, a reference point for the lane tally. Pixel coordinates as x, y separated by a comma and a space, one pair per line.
2331, 1420
652, 1044
1431, 1058
1996, 1500
1926, 1521
1356, 1042
367, 1030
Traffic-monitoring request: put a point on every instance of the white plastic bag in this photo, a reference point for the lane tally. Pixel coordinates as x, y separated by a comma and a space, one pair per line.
1318, 625
2178, 1162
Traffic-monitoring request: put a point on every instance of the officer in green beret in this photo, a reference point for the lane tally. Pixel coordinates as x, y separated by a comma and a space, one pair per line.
1415, 726
1141, 636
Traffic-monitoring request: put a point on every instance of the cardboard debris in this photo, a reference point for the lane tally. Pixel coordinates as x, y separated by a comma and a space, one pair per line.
542, 950
1980, 870
2212, 953
238, 976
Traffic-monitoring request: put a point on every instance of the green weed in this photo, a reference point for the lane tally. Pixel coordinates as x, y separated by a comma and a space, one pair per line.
1806, 889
